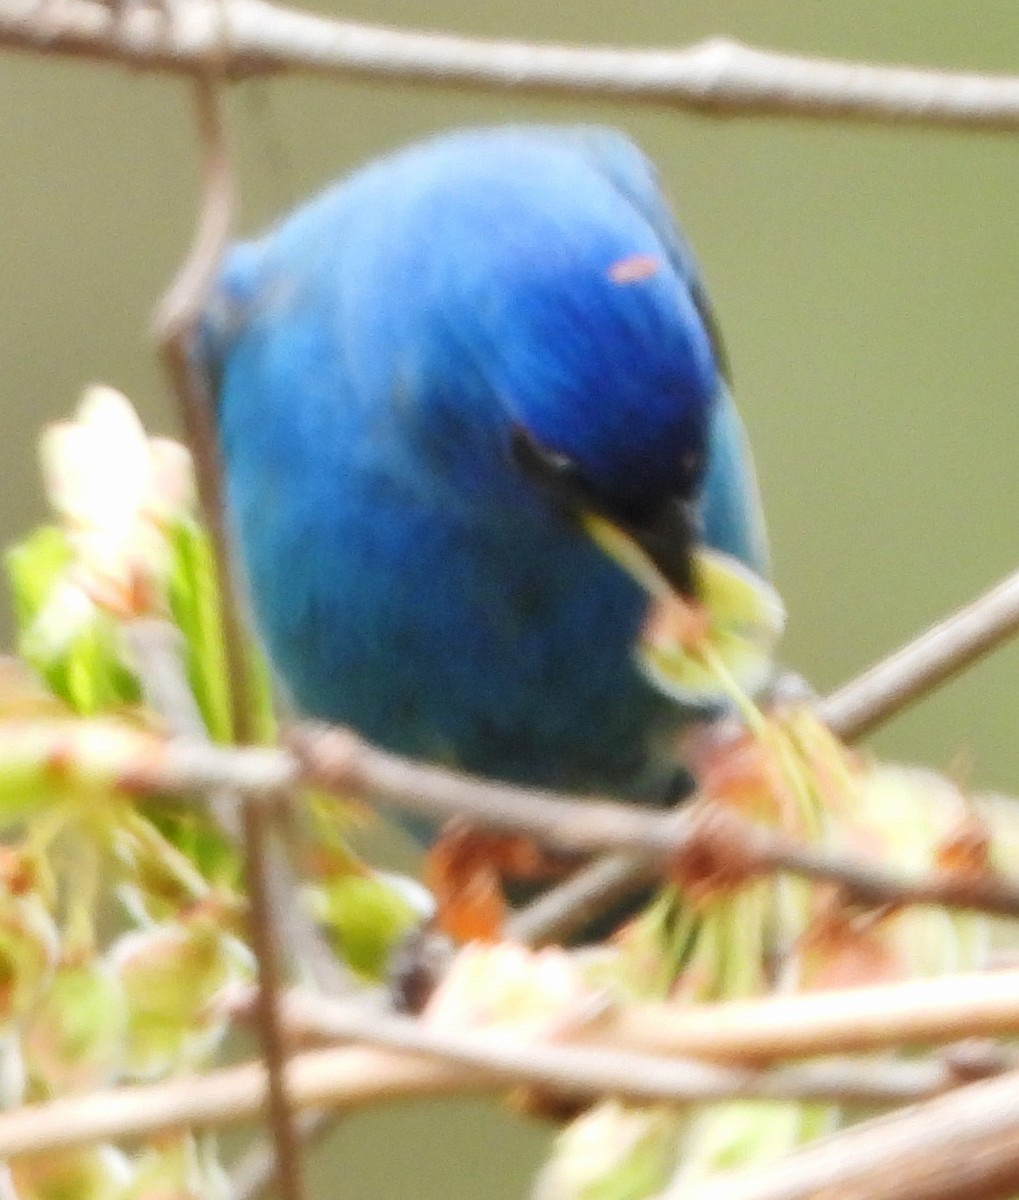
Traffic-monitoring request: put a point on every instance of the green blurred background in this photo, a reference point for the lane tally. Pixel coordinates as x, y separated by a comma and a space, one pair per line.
865, 279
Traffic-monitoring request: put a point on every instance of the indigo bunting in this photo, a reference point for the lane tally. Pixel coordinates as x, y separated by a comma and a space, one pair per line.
426, 377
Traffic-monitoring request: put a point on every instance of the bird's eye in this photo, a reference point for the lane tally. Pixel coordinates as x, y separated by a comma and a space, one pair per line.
555, 473
664, 532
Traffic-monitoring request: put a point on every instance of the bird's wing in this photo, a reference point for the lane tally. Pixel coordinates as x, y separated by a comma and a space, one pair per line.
731, 502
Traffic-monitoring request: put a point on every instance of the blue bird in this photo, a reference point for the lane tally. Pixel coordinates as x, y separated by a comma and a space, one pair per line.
423, 376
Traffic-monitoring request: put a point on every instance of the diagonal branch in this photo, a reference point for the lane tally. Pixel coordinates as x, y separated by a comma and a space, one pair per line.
714, 77
738, 1032
344, 1078
933, 658
856, 709
339, 761
414, 1059
956, 1147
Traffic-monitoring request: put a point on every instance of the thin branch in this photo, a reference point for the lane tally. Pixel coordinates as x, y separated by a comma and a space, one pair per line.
908, 674
419, 1060
570, 906
184, 766
339, 761
138, 763
924, 664
776, 1027
156, 651
715, 76
596, 1071
956, 1147
155, 647
264, 934
255, 1171
175, 323
341, 1078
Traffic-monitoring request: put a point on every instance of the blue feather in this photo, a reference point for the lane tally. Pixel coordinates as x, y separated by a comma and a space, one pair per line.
374, 354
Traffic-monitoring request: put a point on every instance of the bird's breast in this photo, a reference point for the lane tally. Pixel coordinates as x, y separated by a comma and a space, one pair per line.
497, 638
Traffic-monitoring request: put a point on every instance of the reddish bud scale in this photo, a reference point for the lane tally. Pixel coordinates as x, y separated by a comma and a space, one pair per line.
967, 849
713, 863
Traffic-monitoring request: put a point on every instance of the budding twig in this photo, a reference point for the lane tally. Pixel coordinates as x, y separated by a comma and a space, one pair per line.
338, 760
854, 710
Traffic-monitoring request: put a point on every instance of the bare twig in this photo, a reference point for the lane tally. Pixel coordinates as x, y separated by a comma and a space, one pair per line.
933, 658
175, 324
186, 766
340, 761
572, 905
590, 1071
255, 1172
418, 1060
956, 1147
715, 76
264, 933
139, 763
343, 1078
772, 1028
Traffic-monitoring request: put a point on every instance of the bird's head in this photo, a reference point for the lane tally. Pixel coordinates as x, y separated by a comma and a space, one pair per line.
665, 531
610, 383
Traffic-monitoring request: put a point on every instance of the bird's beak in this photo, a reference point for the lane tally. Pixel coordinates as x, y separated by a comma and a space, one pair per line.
694, 646
667, 539
707, 611
659, 545
647, 555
